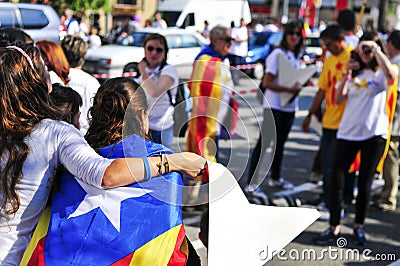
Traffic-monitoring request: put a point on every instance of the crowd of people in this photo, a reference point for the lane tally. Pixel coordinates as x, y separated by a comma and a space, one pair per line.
63, 108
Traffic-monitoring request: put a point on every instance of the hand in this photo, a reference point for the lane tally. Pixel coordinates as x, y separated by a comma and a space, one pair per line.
296, 88
142, 67
305, 125
187, 162
352, 65
370, 44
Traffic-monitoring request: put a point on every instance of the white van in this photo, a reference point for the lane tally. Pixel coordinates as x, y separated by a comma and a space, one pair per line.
191, 14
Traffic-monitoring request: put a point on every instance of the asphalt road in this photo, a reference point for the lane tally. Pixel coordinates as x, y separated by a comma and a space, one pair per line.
383, 231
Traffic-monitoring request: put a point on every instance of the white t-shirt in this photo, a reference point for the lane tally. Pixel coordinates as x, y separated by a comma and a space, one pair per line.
54, 78
351, 40
87, 87
51, 143
272, 98
365, 112
94, 41
160, 109
72, 27
239, 48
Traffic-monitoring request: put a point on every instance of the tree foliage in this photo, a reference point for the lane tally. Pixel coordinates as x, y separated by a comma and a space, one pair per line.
84, 5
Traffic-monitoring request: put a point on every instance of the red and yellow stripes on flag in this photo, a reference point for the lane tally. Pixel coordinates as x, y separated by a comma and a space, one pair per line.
391, 100
172, 243
206, 91
390, 109
174, 250
34, 254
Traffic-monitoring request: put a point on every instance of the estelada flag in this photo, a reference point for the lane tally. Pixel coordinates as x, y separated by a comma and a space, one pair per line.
140, 224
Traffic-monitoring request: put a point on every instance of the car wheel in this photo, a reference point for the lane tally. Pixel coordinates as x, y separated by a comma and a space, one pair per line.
131, 70
258, 71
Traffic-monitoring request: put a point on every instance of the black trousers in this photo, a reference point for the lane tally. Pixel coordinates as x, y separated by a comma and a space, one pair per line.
345, 153
278, 134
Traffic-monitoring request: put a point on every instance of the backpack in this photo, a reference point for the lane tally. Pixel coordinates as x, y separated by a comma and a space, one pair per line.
181, 114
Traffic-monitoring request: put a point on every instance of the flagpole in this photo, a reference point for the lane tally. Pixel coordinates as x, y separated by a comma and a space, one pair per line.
361, 14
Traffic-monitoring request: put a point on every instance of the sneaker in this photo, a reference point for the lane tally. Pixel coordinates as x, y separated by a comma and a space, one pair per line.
323, 211
377, 206
281, 183
257, 193
359, 235
326, 237
315, 177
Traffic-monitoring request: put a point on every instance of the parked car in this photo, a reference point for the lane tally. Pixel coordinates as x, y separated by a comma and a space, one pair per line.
260, 45
115, 59
39, 21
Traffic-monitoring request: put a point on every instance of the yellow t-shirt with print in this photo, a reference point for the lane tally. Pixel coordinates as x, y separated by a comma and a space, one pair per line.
332, 72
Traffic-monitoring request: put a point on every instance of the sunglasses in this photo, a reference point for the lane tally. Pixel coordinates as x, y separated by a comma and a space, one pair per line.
298, 33
227, 39
152, 48
367, 51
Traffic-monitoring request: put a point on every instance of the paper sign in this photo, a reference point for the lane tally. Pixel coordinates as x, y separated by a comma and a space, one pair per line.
241, 233
288, 76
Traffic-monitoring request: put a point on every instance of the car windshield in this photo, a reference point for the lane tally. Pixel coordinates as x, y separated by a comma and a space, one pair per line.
135, 39
171, 17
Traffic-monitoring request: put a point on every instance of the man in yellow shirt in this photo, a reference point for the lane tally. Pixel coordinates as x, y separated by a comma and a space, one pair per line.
332, 71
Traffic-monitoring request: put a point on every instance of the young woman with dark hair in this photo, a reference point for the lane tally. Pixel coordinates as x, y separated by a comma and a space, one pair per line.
364, 127
160, 81
274, 113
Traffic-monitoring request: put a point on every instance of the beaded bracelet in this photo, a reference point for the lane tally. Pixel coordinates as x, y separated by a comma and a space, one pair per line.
147, 171
166, 165
160, 165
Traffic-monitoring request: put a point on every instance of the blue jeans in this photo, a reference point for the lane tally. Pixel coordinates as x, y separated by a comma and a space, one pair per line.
163, 137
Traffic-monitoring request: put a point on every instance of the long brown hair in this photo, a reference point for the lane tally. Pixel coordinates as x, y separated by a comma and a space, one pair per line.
55, 57
114, 99
25, 102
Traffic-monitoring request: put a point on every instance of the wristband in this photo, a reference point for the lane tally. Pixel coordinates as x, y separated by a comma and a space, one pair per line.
376, 49
147, 172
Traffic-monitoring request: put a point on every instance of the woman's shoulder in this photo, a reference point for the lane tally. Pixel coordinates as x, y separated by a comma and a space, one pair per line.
170, 70
54, 123
49, 128
168, 67
276, 52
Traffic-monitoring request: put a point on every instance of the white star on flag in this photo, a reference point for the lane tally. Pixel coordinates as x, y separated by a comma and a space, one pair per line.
108, 200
